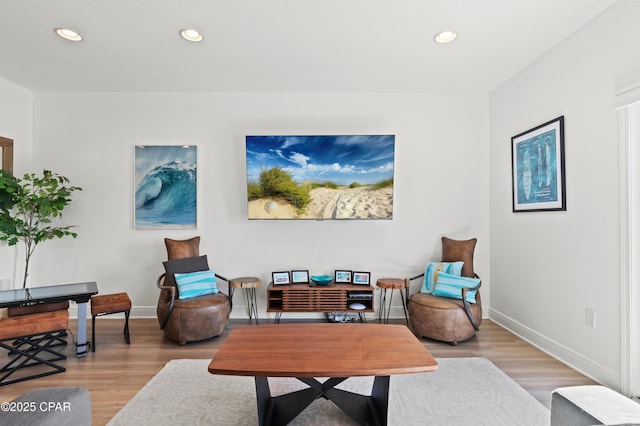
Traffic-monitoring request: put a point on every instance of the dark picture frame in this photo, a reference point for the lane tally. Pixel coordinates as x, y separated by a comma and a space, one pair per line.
281, 278
6, 153
361, 278
342, 276
538, 168
300, 276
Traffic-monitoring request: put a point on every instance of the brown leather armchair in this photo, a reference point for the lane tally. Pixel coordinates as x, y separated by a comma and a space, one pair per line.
197, 318
443, 318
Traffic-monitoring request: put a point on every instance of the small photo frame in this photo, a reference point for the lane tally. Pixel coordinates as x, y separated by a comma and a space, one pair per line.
361, 277
300, 276
342, 276
280, 278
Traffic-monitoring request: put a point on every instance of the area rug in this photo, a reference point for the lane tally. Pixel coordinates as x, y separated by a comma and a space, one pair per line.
463, 391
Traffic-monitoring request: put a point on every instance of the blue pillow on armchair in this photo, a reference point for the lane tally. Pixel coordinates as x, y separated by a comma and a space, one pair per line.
448, 285
431, 273
194, 284
184, 265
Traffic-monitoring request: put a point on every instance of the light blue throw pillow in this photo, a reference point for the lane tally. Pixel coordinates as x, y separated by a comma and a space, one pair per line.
431, 273
448, 285
194, 284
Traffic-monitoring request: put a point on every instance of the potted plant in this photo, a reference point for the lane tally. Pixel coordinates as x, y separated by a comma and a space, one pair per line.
28, 206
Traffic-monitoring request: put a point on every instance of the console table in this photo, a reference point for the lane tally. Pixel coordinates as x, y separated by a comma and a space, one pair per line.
79, 292
318, 298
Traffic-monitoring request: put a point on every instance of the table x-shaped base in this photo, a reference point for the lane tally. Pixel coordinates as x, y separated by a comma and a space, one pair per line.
282, 409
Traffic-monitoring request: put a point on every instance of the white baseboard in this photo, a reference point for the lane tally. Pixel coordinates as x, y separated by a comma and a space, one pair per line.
136, 312
563, 354
238, 312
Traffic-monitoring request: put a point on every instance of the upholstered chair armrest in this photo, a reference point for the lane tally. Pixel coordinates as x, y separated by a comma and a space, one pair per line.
168, 293
416, 277
465, 304
171, 289
229, 289
408, 281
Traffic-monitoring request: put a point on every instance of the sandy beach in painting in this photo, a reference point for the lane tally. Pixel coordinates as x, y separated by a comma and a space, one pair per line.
342, 203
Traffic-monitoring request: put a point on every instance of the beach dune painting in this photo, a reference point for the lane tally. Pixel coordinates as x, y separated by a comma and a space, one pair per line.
165, 187
320, 177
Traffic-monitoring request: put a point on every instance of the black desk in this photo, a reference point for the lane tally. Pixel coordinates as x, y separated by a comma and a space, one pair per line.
80, 293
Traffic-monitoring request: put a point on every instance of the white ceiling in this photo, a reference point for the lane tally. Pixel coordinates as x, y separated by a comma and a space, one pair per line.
280, 45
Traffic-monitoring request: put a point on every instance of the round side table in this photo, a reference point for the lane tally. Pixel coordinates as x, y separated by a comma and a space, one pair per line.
249, 284
385, 306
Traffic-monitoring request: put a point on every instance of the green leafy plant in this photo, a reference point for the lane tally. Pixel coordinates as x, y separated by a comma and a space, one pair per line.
383, 183
279, 183
28, 206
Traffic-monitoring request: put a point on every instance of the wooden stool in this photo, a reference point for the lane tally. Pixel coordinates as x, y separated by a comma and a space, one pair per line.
249, 284
110, 304
392, 284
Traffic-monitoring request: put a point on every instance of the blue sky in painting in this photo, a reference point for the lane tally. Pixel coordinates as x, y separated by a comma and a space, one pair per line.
365, 159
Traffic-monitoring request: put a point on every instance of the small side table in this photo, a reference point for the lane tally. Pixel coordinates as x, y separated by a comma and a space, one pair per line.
392, 284
249, 284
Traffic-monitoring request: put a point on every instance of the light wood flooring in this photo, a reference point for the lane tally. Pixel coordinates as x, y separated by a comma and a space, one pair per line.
116, 371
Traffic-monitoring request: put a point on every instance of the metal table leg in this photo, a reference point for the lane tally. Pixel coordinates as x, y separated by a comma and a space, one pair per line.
82, 347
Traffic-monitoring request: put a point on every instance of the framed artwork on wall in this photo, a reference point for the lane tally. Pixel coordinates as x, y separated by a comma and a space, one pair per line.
300, 177
165, 187
6, 153
537, 167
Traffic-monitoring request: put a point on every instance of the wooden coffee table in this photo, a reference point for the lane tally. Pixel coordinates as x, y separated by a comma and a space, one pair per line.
307, 351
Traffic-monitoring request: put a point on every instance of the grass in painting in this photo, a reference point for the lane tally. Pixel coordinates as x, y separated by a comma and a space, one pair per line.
325, 184
278, 183
383, 184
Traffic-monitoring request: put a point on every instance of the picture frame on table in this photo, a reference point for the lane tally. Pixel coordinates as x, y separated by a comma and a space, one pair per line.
342, 276
537, 168
300, 276
361, 278
281, 278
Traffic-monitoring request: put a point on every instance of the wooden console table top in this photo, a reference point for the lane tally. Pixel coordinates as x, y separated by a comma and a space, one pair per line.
321, 350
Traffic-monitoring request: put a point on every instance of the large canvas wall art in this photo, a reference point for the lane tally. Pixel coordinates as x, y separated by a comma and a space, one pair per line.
320, 177
165, 187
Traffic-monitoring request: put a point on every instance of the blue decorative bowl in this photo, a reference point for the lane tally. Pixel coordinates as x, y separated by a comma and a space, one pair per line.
321, 279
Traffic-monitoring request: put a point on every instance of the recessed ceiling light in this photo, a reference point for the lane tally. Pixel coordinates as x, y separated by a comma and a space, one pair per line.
445, 37
68, 34
191, 35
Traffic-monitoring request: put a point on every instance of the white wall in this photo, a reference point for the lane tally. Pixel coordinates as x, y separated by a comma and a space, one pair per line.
16, 122
547, 267
441, 185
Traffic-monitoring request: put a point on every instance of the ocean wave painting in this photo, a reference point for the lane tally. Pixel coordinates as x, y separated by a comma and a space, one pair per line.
165, 187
